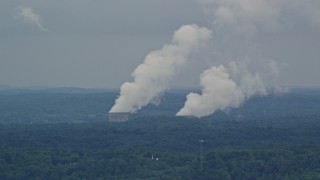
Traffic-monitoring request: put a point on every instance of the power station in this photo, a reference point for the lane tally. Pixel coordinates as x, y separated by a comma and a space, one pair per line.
118, 116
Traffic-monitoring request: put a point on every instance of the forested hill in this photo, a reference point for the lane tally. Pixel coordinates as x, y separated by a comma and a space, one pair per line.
89, 105
50, 135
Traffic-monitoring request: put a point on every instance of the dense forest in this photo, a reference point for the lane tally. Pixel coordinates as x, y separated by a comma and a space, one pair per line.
66, 135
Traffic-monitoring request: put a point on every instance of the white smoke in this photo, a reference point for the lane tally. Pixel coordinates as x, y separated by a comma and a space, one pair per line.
29, 16
261, 15
223, 88
153, 77
236, 24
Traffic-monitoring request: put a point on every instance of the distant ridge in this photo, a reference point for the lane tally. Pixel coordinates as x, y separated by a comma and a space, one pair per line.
9, 89
5, 87
47, 89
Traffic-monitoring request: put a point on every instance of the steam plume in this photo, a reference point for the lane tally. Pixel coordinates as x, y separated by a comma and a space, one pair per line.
236, 23
29, 16
262, 15
152, 77
223, 88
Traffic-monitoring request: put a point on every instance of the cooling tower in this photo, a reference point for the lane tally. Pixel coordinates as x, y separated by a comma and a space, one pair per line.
118, 116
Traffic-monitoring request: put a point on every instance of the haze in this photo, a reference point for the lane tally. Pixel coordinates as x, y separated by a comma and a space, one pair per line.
99, 43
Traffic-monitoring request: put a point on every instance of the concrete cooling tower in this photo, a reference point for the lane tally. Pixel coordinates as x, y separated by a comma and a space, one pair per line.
118, 116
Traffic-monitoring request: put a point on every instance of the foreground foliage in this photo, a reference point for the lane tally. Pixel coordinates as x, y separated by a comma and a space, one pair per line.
67, 136
232, 150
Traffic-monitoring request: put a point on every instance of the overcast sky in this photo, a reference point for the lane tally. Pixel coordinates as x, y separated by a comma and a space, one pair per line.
99, 43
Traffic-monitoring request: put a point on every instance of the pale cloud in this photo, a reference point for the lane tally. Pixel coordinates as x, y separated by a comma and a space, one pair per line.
27, 14
261, 15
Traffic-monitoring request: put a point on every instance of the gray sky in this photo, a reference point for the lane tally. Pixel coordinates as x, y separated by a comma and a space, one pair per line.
98, 43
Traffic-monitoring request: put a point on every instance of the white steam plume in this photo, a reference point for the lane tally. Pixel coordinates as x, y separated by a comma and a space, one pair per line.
152, 77
263, 15
223, 88
29, 16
